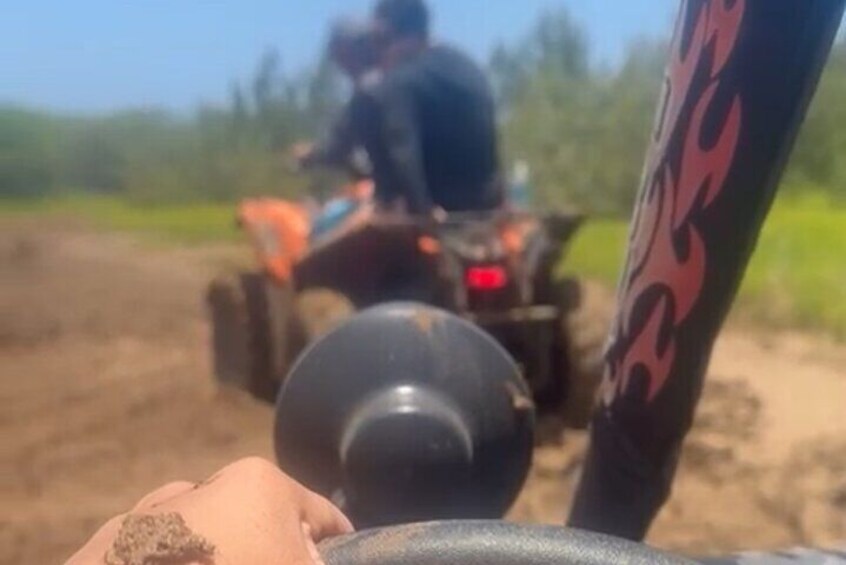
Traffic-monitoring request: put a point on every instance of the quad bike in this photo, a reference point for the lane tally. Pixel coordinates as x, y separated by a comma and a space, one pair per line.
494, 269
405, 413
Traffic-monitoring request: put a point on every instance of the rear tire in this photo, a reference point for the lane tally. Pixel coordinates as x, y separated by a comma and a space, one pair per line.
320, 310
246, 354
585, 322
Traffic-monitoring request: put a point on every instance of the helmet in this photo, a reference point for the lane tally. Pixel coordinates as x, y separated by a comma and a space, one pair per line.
352, 47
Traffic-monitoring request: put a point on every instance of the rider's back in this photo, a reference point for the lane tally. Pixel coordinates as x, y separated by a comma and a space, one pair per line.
452, 104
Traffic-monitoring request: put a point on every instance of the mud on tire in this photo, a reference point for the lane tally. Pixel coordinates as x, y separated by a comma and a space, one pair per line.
242, 337
586, 320
319, 310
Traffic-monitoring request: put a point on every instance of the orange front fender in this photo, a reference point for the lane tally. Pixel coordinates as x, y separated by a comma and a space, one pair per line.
279, 232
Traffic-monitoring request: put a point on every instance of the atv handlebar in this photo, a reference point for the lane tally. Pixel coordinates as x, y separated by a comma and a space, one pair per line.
486, 543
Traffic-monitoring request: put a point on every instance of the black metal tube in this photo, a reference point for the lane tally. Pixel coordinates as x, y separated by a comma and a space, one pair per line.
740, 77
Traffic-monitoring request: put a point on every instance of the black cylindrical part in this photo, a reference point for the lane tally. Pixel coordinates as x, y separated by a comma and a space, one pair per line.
407, 413
738, 83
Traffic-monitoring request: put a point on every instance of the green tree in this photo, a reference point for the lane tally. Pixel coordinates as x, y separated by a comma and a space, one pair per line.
583, 131
819, 159
26, 166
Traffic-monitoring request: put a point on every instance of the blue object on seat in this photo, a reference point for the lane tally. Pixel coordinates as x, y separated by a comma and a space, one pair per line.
332, 216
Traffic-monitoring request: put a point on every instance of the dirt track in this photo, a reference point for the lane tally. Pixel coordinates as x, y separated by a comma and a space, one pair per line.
104, 380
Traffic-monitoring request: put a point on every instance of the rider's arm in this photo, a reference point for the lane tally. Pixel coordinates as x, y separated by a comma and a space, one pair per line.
336, 149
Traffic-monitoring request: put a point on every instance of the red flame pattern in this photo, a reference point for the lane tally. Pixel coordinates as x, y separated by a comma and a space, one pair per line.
670, 201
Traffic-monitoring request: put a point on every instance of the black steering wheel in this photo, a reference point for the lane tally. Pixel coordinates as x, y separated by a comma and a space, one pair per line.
487, 543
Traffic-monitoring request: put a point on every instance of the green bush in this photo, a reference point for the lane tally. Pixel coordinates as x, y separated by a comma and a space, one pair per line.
25, 162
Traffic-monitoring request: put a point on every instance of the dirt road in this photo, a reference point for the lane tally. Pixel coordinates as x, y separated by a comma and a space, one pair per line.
104, 380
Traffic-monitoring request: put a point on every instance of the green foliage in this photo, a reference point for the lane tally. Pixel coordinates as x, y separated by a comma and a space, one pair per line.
556, 47
25, 160
220, 154
584, 131
820, 155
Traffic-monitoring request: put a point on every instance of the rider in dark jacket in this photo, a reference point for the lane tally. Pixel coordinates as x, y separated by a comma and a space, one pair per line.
432, 137
427, 122
352, 48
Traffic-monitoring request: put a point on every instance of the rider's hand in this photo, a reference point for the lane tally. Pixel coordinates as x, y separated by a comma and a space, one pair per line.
439, 215
248, 513
300, 152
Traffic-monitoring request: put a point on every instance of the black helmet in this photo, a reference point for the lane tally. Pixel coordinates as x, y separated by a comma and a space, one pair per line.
351, 46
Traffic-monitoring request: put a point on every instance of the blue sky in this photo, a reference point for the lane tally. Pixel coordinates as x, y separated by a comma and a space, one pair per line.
100, 55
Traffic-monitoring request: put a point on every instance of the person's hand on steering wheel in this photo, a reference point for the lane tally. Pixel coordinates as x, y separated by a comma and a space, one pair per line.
250, 512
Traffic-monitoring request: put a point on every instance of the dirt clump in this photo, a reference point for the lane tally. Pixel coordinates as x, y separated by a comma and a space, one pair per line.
160, 538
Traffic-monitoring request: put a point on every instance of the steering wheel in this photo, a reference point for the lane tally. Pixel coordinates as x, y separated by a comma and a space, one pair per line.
487, 543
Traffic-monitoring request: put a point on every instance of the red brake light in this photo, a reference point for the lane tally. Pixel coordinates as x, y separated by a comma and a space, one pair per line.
486, 278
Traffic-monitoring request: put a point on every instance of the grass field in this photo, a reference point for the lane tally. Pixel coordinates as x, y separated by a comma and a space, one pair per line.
189, 223
797, 277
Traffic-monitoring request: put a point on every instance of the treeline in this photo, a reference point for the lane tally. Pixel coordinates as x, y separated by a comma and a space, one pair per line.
582, 128
585, 130
151, 156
